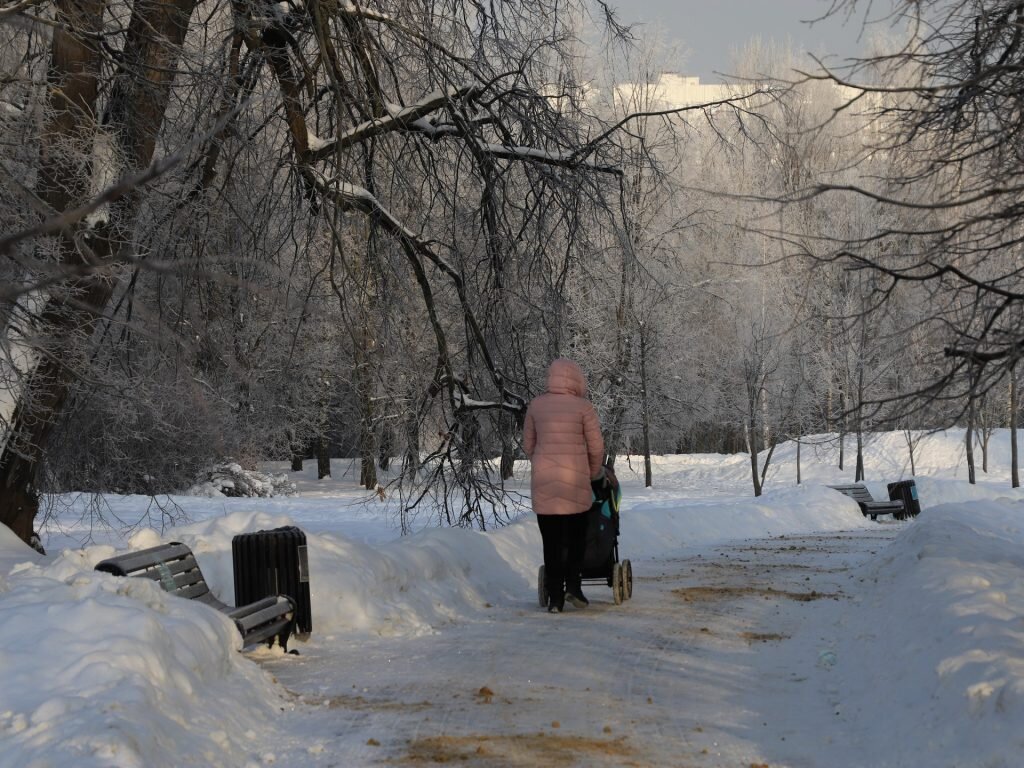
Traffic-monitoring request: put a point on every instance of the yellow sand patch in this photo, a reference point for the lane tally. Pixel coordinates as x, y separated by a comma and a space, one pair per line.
705, 594
528, 750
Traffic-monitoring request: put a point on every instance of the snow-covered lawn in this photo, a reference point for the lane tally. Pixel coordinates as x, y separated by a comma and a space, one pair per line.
431, 647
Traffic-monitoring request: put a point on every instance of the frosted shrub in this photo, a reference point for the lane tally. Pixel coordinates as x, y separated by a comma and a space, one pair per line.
230, 479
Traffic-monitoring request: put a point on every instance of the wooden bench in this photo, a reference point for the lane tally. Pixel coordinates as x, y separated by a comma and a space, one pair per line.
174, 567
871, 508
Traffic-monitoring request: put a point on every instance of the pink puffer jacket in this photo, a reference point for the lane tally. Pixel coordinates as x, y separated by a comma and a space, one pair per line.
562, 437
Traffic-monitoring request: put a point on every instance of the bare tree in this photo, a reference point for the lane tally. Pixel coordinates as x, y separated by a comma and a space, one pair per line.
945, 104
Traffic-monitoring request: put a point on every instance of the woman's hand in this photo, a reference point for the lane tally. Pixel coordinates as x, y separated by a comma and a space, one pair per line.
600, 486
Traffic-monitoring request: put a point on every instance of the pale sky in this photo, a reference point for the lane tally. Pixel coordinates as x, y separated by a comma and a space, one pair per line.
710, 29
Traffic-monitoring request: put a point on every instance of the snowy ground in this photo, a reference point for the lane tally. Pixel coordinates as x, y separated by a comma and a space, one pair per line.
780, 631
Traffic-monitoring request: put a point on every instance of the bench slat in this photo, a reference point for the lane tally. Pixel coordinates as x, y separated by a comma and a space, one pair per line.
184, 580
270, 613
266, 602
193, 591
268, 632
126, 565
211, 600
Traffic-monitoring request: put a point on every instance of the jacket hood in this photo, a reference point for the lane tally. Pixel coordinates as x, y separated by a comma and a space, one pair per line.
566, 378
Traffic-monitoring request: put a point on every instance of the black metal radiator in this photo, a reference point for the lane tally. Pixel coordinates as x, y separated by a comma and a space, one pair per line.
273, 562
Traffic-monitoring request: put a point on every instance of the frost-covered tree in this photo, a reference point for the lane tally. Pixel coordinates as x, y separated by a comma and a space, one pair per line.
945, 99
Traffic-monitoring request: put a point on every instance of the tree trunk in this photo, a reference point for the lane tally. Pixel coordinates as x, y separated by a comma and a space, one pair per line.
754, 472
507, 425
367, 443
969, 437
751, 428
909, 435
323, 456
295, 451
798, 461
386, 448
623, 340
411, 461
645, 408
1014, 463
842, 428
859, 475
137, 103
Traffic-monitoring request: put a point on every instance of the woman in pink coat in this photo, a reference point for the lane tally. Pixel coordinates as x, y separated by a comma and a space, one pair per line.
562, 437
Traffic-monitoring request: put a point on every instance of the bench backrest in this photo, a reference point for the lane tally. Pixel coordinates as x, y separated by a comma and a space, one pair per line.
172, 565
855, 491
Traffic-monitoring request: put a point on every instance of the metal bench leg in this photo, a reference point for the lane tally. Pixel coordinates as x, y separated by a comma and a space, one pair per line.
282, 638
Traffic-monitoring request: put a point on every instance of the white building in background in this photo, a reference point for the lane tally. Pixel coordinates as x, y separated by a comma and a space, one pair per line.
672, 90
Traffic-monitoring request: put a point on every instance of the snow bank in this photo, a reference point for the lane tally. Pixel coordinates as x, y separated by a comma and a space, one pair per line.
418, 583
100, 671
14, 551
655, 528
939, 639
408, 586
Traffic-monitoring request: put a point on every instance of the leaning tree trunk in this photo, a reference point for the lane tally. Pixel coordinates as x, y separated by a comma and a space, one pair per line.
752, 432
137, 103
507, 427
754, 472
859, 474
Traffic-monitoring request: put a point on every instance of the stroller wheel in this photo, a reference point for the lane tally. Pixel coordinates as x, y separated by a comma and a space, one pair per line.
627, 578
618, 588
542, 588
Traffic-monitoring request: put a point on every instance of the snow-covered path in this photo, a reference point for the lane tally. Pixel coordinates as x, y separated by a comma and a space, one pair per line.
722, 658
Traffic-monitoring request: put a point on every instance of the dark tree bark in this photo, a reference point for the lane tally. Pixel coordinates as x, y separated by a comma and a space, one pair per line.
1014, 455
323, 456
645, 406
138, 101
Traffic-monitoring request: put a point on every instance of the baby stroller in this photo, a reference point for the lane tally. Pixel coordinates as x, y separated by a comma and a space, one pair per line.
601, 555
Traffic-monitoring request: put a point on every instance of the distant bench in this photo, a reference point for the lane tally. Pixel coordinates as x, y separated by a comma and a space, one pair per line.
174, 567
868, 506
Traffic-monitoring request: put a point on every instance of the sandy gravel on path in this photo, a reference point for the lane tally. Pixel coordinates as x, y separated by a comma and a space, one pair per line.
720, 659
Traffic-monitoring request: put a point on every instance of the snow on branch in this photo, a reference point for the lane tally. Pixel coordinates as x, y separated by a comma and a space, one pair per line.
10, 109
16, 8
736, 102
359, 11
466, 403
414, 118
396, 119
561, 159
350, 196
